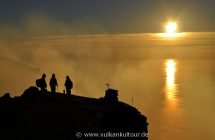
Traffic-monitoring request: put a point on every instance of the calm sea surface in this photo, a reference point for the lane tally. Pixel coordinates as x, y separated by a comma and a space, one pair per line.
178, 83
184, 106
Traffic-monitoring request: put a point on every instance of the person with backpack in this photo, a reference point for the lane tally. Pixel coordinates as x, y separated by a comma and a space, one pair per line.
53, 83
69, 85
41, 83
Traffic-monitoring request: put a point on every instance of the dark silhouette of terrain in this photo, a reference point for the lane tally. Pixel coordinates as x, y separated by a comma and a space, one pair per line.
36, 115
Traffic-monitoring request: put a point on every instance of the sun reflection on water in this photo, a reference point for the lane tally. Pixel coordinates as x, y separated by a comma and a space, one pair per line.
172, 35
171, 86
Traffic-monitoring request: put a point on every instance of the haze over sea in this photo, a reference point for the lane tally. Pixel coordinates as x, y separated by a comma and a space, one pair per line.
170, 80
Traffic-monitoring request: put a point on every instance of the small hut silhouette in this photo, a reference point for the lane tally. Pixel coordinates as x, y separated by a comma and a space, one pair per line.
111, 95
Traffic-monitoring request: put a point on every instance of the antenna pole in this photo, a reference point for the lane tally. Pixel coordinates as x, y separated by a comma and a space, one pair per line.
108, 86
132, 100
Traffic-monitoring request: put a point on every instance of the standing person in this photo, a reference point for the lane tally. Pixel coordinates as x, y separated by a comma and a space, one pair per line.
53, 83
69, 85
41, 83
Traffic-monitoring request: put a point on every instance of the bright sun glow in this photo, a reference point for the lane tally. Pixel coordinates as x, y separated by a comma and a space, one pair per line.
171, 30
171, 27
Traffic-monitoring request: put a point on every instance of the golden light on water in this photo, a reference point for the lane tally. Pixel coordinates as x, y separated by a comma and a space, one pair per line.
170, 69
171, 36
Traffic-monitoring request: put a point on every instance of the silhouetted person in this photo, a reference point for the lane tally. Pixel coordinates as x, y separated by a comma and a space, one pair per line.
69, 85
53, 83
41, 83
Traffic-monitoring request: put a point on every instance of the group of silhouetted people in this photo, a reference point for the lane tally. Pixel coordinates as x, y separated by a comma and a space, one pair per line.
41, 83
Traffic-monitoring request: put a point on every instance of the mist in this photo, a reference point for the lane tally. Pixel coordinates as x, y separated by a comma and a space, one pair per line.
43, 45
132, 63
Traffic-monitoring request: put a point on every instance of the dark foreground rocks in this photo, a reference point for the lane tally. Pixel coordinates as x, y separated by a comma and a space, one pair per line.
37, 115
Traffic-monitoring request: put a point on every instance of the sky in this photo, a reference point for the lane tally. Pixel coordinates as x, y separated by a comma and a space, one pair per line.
106, 16
97, 42
38, 37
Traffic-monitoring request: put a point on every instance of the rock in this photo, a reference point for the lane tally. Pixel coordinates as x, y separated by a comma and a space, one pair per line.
36, 115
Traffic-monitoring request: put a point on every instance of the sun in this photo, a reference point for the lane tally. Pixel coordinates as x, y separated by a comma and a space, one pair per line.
171, 31
171, 27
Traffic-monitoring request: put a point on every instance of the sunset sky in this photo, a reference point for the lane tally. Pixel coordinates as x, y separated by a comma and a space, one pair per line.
159, 53
38, 36
108, 16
